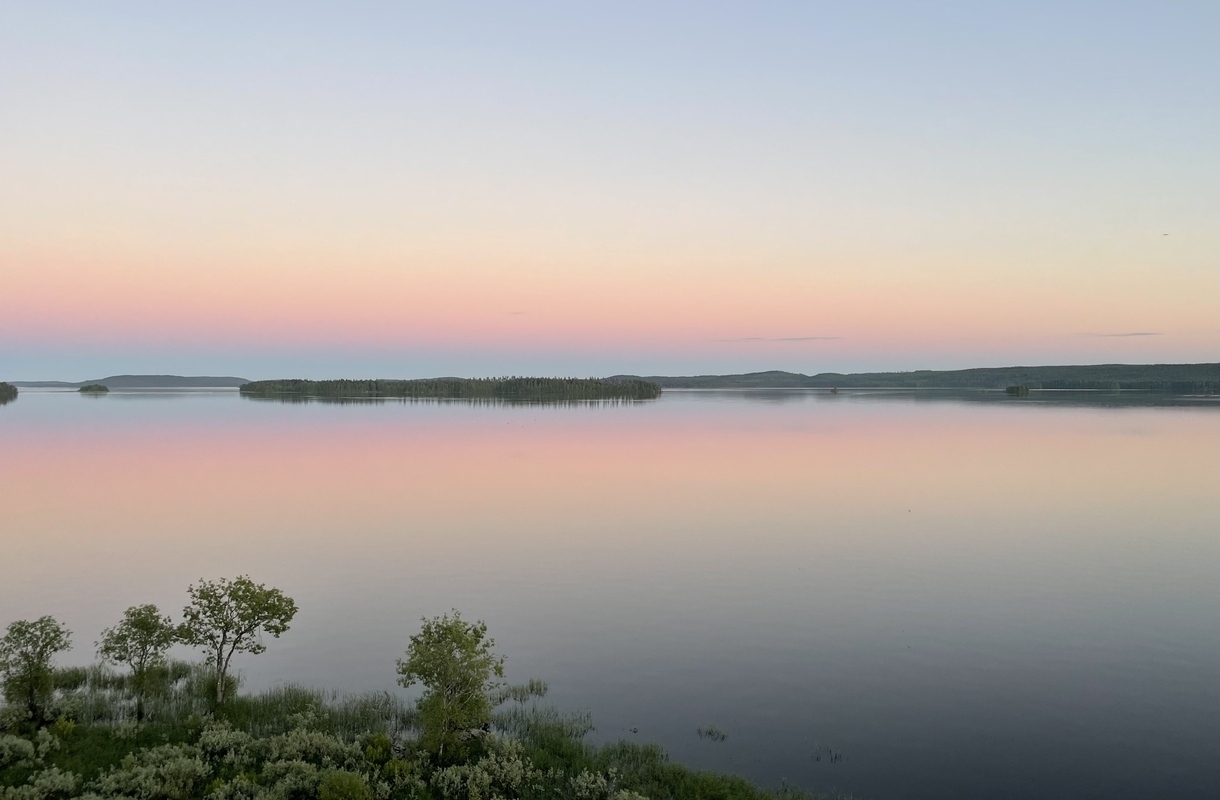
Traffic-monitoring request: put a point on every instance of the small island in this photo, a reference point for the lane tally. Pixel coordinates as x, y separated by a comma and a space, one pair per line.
8, 393
507, 389
94, 388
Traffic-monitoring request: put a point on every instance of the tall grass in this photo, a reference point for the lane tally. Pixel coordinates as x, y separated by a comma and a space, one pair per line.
180, 691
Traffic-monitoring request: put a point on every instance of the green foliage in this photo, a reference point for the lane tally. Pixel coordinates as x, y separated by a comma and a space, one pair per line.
453, 659
343, 785
16, 752
519, 389
167, 772
139, 642
227, 617
8, 393
94, 388
378, 748
47, 784
502, 772
26, 653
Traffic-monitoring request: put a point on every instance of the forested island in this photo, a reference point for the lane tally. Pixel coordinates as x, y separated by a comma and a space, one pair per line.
510, 389
94, 388
1162, 378
8, 393
138, 725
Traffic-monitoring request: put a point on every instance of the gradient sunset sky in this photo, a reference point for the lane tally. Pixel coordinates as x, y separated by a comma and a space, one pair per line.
403, 190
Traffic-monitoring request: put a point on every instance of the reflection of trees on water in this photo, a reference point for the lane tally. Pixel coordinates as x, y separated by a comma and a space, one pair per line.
1125, 398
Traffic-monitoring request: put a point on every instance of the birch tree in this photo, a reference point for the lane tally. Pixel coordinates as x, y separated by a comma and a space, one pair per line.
453, 659
27, 650
226, 617
139, 642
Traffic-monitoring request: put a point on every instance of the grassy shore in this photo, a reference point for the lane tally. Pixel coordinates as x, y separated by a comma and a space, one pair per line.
172, 730
294, 743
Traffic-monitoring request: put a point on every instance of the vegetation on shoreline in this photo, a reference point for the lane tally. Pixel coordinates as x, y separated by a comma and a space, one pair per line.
165, 730
94, 388
1161, 378
512, 389
8, 393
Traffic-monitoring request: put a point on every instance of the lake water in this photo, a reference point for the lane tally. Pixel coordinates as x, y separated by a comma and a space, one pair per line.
961, 599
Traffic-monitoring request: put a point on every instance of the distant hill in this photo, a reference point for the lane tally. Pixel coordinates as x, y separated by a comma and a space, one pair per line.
1168, 378
142, 382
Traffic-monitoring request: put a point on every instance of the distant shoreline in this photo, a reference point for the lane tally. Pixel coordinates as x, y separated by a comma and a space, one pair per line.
1175, 379
141, 382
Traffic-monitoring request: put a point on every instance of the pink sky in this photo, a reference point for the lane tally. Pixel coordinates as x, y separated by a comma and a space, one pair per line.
416, 195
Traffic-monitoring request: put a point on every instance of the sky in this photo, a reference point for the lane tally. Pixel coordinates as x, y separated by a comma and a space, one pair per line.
405, 190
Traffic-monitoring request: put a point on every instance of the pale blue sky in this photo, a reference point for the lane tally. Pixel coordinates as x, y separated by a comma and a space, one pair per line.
758, 171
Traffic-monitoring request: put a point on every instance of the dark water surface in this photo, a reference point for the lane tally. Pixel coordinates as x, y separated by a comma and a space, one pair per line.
892, 598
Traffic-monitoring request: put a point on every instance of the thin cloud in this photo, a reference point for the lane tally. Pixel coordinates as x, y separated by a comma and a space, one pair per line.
1120, 335
514, 313
782, 339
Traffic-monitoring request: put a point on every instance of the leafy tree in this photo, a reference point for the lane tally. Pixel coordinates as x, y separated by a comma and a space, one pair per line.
453, 659
139, 642
26, 652
226, 617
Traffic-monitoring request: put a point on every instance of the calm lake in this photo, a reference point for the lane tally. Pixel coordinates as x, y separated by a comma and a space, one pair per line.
888, 596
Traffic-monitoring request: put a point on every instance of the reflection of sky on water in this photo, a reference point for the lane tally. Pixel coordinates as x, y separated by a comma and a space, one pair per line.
963, 599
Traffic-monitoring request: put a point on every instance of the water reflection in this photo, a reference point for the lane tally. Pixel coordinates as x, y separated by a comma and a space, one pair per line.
471, 401
886, 596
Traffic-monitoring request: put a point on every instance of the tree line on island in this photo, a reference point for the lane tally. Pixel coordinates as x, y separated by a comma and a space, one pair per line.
159, 729
8, 393
508, 389
1170, 379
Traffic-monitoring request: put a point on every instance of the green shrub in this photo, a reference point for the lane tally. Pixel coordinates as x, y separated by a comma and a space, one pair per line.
342, 785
